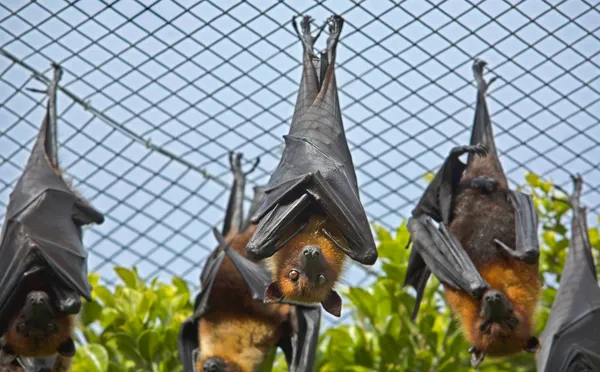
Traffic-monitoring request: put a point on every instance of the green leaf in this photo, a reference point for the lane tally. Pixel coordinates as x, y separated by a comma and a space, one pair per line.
148, 344
129, 277
90, 358
90, 312
105, 296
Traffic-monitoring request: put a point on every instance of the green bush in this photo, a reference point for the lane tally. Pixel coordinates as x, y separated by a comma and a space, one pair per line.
134, 328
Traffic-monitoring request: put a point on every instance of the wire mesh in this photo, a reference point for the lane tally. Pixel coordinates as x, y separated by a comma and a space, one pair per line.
155, 94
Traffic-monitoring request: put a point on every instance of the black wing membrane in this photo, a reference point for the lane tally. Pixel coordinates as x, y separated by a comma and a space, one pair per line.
316, 170
569, 342
188, 344
526, 225
42, 228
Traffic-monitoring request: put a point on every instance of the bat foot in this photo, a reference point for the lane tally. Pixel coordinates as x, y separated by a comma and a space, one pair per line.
305, 34
529, 256
485, 184
478, 67
335, 29
479, 149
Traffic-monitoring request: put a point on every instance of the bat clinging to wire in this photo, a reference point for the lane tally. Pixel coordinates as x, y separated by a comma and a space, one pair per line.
485, 250
312, 217
232, 330
43, 265
570, 341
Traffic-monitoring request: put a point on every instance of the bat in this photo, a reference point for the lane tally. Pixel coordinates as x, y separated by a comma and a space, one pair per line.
311, 216
569, 342
232, 330
43, 264
485, 250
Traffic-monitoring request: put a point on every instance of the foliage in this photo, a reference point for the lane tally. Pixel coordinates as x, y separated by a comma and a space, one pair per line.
134, 328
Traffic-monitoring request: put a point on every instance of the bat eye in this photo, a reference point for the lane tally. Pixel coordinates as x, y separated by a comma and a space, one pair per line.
294, 275
321, 279
21, 327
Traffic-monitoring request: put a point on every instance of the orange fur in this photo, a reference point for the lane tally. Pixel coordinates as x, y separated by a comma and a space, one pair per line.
35, 345
521, 285
248, 341
238, 329
286, 259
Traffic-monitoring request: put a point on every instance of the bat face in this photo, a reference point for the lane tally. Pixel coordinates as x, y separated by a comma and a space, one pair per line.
307, 267
218, 365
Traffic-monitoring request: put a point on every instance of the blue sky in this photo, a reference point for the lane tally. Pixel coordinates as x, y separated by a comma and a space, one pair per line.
198, 79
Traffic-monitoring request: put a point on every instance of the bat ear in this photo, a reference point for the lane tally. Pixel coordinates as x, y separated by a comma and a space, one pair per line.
273, 293
477, 356
7, 355
532, 345
67, 348
333, 304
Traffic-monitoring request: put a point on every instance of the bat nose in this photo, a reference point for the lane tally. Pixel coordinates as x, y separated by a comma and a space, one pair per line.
492, 297
213, 365
36, 298
311, 251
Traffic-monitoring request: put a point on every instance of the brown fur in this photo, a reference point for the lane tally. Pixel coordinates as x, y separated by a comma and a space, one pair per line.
479, 219
238, 329
286, 259
36, 345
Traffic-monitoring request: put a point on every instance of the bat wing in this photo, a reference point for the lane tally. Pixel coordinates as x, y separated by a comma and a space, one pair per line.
42, 228
316, 172
444, 257
187, 342
436, 203
570, 339
526, 224
300, 347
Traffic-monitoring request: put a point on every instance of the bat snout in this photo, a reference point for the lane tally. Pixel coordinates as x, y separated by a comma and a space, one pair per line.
312, 261
37, 299
495, 306
37, 307
214, 365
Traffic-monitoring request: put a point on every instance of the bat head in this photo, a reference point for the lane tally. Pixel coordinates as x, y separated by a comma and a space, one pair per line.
307, 268
502, 328
215, 364
37, 311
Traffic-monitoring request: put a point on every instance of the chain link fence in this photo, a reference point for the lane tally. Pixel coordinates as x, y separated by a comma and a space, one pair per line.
155, 93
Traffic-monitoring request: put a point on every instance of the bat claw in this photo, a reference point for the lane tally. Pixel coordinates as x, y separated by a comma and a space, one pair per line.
528, 256
478, 67
235, 162
479, 149
335, 29
305, 35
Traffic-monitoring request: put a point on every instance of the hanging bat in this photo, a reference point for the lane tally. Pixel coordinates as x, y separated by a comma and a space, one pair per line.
570, 341
232, 330
43, 264
312, 216
485, 251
